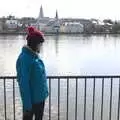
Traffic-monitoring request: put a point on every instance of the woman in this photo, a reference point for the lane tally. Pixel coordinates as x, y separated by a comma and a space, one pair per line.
31, 76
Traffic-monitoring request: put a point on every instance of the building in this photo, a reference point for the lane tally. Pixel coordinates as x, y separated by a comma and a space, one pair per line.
27, 21
84, 23
1, 28
53, 26
72, 27
12, 24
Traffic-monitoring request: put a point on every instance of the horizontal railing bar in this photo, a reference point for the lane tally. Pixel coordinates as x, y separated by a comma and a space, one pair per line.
65, 77
8, 77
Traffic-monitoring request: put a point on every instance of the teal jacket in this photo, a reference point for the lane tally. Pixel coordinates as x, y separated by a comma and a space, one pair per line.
31, 77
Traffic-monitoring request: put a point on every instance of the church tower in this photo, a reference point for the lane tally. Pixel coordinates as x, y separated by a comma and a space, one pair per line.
40, 17
41, 14
56, 16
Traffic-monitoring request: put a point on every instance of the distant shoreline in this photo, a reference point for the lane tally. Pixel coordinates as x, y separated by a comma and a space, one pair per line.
23, 33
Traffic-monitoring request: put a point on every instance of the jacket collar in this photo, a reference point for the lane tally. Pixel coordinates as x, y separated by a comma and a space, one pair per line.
28, 50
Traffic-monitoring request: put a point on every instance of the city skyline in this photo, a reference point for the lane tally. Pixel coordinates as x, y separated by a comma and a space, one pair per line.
100, 9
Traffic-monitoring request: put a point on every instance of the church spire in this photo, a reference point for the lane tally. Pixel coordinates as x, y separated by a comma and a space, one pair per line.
41, 14
56, 16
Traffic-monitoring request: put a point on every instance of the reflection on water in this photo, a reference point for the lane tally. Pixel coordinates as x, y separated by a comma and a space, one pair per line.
68, 55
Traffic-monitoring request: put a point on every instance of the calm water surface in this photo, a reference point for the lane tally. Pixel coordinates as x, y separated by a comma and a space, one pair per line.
67, 55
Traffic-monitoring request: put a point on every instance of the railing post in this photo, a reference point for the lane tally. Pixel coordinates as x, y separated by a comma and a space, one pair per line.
118, 114
67, 98
4, 81
102, 98
58, 98
76, 97
85, 92
49, 98
111, 89
13, 99
93, 109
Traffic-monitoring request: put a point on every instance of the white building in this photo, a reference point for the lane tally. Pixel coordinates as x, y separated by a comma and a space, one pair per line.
1, 26
12, 24
52, 26
72, 28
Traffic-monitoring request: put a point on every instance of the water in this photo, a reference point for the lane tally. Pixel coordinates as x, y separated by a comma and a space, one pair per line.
68, 55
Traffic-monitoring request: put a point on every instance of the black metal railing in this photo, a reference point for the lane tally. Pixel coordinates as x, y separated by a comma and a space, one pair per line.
107, 88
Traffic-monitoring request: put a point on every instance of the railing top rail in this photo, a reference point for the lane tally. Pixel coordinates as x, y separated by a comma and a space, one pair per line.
86, 76
65, 77
8, 77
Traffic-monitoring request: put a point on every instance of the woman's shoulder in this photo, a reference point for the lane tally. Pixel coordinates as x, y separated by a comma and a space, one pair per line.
25, 58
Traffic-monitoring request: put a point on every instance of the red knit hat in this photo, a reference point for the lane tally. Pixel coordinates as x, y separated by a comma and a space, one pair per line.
33, 33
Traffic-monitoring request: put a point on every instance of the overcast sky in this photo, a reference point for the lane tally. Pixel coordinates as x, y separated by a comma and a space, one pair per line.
99, 9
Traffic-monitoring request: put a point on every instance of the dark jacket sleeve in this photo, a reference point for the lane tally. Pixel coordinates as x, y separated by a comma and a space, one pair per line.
23, 74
